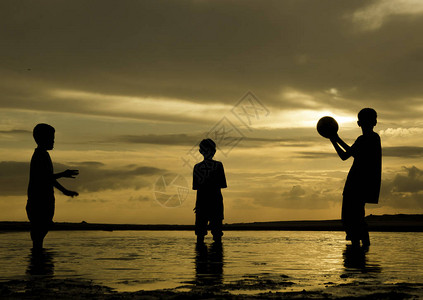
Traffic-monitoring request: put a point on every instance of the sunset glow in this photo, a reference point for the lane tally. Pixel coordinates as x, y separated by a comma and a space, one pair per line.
131, 99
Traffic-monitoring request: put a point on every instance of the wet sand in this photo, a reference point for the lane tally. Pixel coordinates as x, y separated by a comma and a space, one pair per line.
47, 288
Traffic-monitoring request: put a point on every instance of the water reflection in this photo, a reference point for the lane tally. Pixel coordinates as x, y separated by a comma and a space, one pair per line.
41, 262
355, 260
152, 260
209, 264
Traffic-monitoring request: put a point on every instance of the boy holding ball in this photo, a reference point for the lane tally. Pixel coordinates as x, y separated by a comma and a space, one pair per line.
363, 182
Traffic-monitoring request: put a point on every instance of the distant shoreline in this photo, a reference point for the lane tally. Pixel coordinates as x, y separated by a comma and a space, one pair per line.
382, 223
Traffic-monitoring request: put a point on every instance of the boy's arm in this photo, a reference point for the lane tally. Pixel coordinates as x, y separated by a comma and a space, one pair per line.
345, 153
343, 144
195, 178
65, 191
223, 178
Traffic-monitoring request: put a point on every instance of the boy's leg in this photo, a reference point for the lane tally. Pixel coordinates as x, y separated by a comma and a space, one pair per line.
37, 241
38, 233
200, 226
351, 219
216, 229
364, 231
359, 225
346, 217
366, 237
41, 219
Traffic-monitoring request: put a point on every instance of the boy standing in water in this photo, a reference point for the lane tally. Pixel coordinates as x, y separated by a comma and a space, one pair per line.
208, 180
41, 202
363, 182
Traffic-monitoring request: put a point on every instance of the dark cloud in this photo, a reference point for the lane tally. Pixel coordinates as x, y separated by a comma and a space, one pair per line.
404, 190
297, 197
316, 155
140, 199
289, 177
208, 51
164, 139
13, 178
96, 177
408, 181
94, 164
404, 151
192, 140
15, 132
296, 190
93, 177
401, 151
11, 136
84, 200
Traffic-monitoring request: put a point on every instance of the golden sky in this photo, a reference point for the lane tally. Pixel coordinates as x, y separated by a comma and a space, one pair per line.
132, 87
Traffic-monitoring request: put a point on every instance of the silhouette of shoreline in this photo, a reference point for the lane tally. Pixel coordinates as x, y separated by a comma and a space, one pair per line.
48, 288
384, 223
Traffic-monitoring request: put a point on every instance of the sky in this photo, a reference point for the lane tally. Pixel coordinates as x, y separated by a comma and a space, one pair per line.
131, 87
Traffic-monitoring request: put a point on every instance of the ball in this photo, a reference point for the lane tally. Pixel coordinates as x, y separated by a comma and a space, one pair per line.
327, 127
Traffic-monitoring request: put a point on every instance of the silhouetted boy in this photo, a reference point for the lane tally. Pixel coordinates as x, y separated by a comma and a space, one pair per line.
40, 205
208, 180
363, 182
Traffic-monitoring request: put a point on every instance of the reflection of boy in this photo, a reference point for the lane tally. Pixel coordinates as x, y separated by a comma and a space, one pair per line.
208, 180
41, 202
363, 182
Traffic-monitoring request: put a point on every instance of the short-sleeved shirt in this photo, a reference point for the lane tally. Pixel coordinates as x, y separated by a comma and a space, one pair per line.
40, 187
364, 178
208, 179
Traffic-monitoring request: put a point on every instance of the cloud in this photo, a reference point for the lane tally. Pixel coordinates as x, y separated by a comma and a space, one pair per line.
140, 198
194, 139
373, 16
404, 190
300, 190
14, 178
308, 198
409, 183
298, 197
93, 177
84, 200
403, 151
95, 164
207, 53
171, 69
401, 132
400, 189
15, 131
400, 151
316, 155
163, 139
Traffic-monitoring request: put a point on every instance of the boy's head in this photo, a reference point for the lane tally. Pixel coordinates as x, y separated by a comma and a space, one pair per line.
207, 148
44, 136
367, 117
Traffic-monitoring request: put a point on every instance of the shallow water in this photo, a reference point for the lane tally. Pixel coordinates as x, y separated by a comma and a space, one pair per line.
247, 262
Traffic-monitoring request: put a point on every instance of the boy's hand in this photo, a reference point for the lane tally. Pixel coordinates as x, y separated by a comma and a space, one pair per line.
70, 173
334, 137
70, 193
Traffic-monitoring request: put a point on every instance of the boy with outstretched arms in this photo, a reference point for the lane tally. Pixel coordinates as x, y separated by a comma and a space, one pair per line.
42, 180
